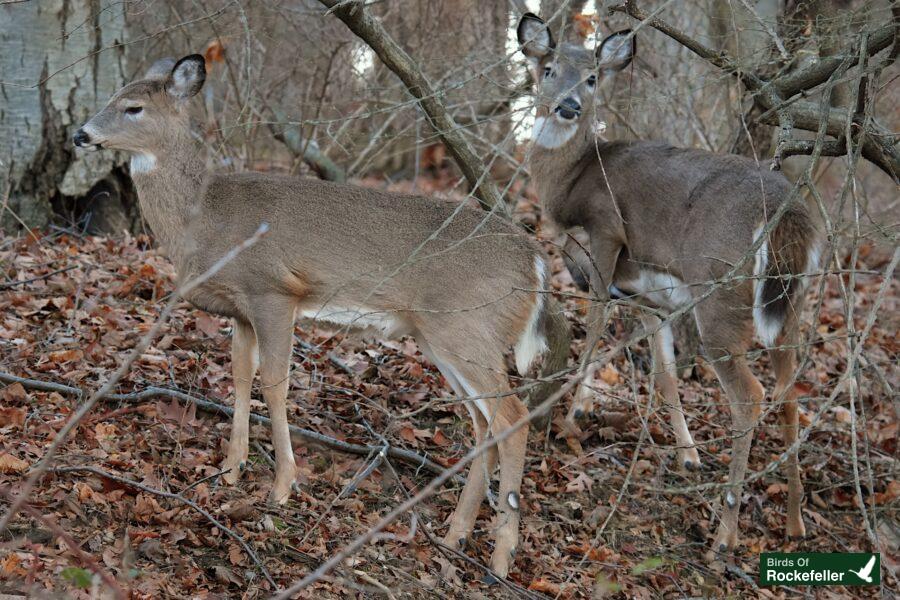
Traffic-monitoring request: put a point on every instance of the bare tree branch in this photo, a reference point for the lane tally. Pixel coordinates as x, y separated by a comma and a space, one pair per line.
369, 29
818, 73
877, 147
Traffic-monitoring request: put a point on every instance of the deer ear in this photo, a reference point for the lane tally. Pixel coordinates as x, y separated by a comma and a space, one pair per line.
160, 69
534, 37
616, 51
187, 77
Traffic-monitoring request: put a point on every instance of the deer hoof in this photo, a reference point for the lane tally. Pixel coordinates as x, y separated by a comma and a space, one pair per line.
280, 494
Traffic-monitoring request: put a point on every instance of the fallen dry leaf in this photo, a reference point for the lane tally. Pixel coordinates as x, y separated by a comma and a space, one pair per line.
544, 586
64, 356
12, 416
610, 375
11, 464
13, 394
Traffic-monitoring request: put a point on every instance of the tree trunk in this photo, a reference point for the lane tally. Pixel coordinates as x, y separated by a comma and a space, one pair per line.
60, 62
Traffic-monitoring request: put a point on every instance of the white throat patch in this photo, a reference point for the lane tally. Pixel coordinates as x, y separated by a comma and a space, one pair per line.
142, 163
549, 133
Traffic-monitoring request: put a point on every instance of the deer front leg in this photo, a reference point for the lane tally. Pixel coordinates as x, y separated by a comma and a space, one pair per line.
662, 351
604, 255
274, 326
243, 369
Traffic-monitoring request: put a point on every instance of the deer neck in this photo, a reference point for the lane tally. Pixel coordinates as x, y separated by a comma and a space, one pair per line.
556, 169
169, 184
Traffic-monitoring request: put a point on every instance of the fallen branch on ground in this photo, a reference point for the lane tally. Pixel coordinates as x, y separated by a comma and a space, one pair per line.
209, 406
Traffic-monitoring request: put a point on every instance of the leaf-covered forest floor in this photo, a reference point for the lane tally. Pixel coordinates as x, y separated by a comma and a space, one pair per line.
581, 535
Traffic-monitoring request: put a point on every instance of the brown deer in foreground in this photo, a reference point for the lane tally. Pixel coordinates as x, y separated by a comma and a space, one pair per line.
465, 284
665, 226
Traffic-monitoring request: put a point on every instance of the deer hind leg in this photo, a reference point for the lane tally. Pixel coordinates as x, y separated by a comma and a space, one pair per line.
784, 361
243, 369
463, 520
503, 413
273, 322
478, 368
662, 350
745, 395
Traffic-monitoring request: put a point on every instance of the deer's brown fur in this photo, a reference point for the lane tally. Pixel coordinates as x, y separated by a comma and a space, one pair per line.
463, 283
666, 226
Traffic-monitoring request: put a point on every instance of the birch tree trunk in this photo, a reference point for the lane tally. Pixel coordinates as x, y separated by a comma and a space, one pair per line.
60, 61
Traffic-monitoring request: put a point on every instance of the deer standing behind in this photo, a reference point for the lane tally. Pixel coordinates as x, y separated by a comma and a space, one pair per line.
666, 225
465, 284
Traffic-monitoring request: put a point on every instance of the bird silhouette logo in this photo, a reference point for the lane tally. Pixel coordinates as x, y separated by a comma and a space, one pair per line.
866, 572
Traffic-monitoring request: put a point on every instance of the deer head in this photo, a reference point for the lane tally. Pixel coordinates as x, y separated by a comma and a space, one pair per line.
146, 115
568, 78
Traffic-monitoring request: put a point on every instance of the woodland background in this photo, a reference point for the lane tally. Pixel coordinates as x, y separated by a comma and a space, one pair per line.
291, 89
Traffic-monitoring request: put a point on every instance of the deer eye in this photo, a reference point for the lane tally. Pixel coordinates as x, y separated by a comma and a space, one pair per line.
592, 80
134, 110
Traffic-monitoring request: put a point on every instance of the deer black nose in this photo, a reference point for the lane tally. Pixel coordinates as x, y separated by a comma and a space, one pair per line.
569, 108
81, 138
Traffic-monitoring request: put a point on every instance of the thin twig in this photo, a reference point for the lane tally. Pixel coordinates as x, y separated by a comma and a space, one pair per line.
11, 284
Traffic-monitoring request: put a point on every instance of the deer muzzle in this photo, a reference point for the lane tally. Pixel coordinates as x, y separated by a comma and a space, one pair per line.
83, 139
568, 109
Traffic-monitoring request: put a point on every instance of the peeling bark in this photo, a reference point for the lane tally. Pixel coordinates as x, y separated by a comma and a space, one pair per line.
60, 62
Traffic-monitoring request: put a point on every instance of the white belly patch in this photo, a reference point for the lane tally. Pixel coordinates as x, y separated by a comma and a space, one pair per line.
661, 289
357, 317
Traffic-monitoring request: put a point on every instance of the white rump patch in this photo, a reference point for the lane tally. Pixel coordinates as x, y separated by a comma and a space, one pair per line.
355, 317
661, 289
142, 163
549, 133
532, 342
767, 330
